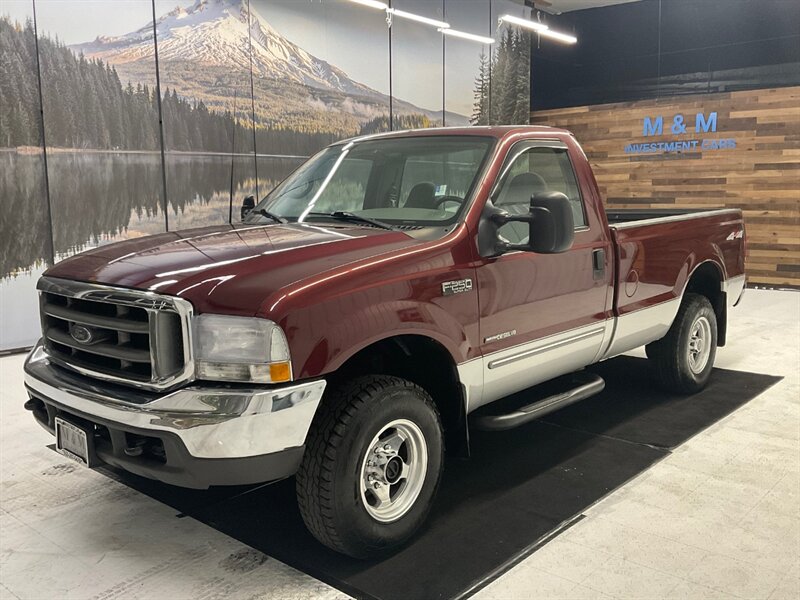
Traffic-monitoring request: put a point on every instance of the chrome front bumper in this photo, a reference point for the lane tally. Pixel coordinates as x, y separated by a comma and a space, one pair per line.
230, 422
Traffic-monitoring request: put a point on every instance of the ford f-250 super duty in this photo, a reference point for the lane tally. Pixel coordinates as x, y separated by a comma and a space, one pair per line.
393, 290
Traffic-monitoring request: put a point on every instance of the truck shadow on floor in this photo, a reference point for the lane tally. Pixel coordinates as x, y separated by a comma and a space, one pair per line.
519, 487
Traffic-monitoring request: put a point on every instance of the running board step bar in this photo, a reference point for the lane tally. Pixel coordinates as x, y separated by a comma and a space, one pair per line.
580, 386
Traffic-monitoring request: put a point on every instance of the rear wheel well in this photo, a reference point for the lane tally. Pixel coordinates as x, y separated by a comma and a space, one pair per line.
706, 280
426, 362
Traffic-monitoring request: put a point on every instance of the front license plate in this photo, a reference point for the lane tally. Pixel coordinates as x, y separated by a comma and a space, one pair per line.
71, 441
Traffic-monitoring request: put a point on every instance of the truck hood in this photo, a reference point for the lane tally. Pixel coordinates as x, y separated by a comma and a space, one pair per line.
229, 268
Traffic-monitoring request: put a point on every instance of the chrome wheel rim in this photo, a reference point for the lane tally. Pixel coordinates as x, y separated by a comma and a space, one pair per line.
699, 345
393, 470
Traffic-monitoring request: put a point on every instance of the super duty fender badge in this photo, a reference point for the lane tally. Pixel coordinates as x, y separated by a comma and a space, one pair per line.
500, 336
458, 286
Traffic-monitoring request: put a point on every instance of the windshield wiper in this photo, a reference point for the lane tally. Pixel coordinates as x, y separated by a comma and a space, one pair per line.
341, 215
269, 215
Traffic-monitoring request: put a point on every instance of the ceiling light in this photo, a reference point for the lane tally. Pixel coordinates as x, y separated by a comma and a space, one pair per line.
419, 18
540, 28
527, 23
372, 4
561, 37
468, 36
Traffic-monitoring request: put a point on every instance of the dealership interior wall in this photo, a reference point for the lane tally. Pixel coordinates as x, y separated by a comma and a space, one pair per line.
737, 60
759, 175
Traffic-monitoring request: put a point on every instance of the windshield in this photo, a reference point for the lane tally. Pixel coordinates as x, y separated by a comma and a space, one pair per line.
415, 180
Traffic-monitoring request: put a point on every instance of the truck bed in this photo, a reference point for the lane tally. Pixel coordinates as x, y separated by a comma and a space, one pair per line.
655, 253
636, 215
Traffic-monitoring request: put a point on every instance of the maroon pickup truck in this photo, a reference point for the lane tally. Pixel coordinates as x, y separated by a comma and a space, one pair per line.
390, 293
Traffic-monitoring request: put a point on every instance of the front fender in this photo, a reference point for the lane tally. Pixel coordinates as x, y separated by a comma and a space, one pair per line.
332, 315
437, 325
343, 337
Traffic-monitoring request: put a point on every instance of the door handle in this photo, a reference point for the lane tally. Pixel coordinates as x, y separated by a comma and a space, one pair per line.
599, 263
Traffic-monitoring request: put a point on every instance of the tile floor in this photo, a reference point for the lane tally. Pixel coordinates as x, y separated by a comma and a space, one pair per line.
719, 518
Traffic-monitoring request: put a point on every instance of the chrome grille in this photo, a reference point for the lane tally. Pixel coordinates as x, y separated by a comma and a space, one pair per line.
127, 336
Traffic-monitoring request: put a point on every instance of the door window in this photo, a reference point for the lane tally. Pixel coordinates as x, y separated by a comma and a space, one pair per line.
536, 170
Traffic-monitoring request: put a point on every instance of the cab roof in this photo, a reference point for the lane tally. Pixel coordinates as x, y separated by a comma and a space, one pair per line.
494, 131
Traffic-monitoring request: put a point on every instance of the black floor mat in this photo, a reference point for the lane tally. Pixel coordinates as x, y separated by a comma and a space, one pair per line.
633, 409
519, 487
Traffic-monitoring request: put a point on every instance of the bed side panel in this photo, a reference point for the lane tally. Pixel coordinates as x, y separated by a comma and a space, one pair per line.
655, 260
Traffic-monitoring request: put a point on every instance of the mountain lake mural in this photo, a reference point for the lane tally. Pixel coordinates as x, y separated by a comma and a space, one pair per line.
311, 84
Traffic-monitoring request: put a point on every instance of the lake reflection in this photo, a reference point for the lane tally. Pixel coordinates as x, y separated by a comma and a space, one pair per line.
100, 198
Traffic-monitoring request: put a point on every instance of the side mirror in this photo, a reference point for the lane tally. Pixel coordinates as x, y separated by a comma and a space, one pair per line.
248, 204
551, 226
552, 229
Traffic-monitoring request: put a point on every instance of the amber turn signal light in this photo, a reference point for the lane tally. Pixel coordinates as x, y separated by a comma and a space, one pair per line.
279, 372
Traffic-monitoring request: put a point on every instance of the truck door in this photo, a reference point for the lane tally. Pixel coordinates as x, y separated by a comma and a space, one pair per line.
542, 315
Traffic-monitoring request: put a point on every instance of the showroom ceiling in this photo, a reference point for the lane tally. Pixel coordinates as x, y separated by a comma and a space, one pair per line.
562, 6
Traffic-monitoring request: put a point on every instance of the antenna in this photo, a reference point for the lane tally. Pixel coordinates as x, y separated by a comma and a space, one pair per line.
233, 158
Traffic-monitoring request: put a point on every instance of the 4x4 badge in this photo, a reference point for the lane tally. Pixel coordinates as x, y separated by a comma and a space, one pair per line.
456, 287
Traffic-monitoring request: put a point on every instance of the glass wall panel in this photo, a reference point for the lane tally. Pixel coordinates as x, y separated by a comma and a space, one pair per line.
510, 89
25, 241
312, 83
466, 64
417, 68
358, 43
204, 69
100, 120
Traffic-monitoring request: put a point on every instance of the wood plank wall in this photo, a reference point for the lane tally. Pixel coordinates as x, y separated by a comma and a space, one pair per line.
761, 175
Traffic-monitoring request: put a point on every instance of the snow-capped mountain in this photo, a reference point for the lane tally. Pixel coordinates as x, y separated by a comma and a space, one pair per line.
215, 33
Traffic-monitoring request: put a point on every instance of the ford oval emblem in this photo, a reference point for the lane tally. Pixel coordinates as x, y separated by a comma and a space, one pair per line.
81, 334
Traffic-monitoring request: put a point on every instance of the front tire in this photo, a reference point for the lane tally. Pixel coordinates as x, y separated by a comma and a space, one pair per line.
683, 359
372, 465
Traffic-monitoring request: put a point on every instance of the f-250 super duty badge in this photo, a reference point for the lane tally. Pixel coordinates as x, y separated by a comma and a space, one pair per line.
456, 287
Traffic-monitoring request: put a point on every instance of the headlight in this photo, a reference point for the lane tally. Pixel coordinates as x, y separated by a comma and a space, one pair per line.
245, 349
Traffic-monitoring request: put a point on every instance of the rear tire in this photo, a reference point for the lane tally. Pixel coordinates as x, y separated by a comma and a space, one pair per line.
372, 465
683, 359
